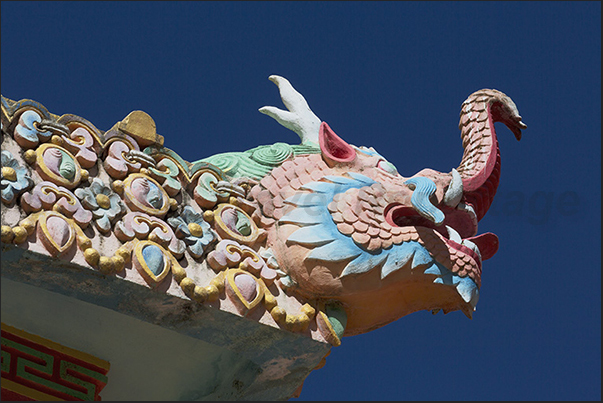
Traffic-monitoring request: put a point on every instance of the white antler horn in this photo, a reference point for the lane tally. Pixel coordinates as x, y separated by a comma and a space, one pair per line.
299, 118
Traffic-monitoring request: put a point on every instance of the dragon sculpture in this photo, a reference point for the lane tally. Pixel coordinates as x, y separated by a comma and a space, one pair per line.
344, 225
323, 231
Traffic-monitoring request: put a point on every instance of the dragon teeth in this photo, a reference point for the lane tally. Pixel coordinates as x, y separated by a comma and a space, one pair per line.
453, 235
467, 208
472, 246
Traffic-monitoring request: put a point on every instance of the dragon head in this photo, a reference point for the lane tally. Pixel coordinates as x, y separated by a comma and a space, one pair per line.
346, 227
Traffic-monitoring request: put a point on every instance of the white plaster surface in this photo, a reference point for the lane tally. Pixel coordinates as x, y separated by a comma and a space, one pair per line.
147, 362
160, 347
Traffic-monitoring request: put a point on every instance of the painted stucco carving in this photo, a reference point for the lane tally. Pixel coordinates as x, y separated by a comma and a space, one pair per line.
194, 231
15, 178
105, 204
48, 196
322, 237
28, 132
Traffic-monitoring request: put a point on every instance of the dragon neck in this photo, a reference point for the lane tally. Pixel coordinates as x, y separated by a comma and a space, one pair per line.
480, 165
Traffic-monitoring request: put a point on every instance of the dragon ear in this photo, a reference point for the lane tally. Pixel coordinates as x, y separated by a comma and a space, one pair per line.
334, 149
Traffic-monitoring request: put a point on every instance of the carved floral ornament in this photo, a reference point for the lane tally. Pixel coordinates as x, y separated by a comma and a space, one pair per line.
326, 226
143, 206
194, 230
15, 178
105, 204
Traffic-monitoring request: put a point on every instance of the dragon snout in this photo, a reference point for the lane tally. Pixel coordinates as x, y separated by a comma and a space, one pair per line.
423, 188
506, 111
517, 126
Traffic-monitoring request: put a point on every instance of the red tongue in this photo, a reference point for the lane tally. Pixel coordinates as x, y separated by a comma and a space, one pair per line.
487, 244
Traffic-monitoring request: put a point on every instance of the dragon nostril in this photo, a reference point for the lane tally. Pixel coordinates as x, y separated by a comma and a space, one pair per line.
395, 214
398, 215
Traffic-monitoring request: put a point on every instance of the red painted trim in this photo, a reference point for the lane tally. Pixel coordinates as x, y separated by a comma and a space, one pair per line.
30, 388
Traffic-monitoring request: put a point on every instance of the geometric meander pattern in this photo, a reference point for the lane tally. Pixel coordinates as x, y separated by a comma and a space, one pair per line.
34, 368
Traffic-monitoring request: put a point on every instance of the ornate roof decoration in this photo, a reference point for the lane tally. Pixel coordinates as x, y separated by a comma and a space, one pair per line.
322, 238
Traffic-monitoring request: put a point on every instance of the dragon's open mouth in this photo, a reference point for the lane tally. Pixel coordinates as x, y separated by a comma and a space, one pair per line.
479, 247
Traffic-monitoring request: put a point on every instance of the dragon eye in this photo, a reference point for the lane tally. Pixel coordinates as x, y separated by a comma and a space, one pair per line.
387, 167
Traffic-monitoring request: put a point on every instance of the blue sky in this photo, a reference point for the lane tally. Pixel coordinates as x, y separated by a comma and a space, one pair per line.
391, 75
